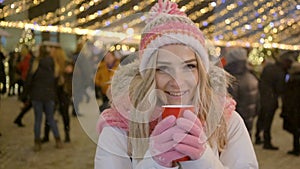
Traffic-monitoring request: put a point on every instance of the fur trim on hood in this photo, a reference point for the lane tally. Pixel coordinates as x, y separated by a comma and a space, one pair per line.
122, 79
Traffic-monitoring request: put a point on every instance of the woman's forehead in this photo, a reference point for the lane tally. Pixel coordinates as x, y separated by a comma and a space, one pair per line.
175, 53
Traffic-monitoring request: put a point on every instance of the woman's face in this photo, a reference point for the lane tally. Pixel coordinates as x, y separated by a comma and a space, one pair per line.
177, 73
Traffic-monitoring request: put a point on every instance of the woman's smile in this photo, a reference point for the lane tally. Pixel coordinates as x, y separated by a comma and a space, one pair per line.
176, 93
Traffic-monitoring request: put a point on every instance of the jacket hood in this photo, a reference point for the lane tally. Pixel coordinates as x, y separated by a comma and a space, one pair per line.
218, 78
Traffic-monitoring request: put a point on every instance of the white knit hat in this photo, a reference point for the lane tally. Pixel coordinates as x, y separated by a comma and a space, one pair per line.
167, 25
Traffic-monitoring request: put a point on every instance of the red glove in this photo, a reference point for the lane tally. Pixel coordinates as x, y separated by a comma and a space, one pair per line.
192, 144
162, 143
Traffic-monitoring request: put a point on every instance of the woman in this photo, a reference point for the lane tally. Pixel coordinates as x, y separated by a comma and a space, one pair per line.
173, 68
42, 93
63, 89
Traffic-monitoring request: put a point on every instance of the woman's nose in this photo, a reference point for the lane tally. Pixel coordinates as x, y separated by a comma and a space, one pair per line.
177, 79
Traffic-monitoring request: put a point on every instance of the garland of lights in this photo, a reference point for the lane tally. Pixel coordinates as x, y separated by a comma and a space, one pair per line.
18, 7
134, 38
232, 27
141, 5
62, 29
121, 15
242, 29
221, 13
50, 16
57, 16
295, 32
186, 7
281, 27
82, 8
141, 19
136, 21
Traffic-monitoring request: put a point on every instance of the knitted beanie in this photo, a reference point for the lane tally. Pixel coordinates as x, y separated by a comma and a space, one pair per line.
167, 25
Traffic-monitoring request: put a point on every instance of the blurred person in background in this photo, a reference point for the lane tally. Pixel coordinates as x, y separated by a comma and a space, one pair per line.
271, 88
82, 76
42, 90
245, 89
103, 76
291, 107
63, 89
24, 64
23, 67
2, 73
13, 74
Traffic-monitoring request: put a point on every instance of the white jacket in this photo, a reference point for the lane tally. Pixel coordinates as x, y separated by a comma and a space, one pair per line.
111, 151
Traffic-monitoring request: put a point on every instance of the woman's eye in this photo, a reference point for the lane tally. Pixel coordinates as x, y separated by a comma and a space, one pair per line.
191, 66
161, 69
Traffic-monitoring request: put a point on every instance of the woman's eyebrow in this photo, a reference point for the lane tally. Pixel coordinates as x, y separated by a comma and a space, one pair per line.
190, 60
168, 63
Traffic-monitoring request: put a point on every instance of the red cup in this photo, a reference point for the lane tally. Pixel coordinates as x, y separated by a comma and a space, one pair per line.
177, 111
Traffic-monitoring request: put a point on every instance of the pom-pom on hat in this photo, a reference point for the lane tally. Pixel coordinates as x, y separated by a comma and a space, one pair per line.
167, 25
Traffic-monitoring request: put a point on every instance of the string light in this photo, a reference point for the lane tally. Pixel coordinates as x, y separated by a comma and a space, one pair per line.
186, 7
18, 7
268, 24
53, 17
235, 28
141, 4
56, 16
62, 29
97, 14
221, 27
134, 22
242, 28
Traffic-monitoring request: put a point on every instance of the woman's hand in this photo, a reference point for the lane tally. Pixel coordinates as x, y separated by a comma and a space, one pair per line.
192, 143
162, 143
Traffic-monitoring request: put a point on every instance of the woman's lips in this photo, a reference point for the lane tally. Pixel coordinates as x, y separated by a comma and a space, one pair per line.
176, 94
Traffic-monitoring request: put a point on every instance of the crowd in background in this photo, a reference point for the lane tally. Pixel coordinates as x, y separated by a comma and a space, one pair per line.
42, 80
259, 96
41, 77
43, 83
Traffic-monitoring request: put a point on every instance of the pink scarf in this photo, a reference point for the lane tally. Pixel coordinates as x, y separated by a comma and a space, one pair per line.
111, 117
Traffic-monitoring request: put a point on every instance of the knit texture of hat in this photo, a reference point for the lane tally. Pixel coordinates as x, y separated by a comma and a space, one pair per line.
167, 25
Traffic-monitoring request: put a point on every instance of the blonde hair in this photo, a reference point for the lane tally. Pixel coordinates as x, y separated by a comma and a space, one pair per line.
139, 130
60, 58
144, 102
210, 106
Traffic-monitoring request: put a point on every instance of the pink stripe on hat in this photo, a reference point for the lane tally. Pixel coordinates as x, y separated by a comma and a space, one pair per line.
168, 25
172, 27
